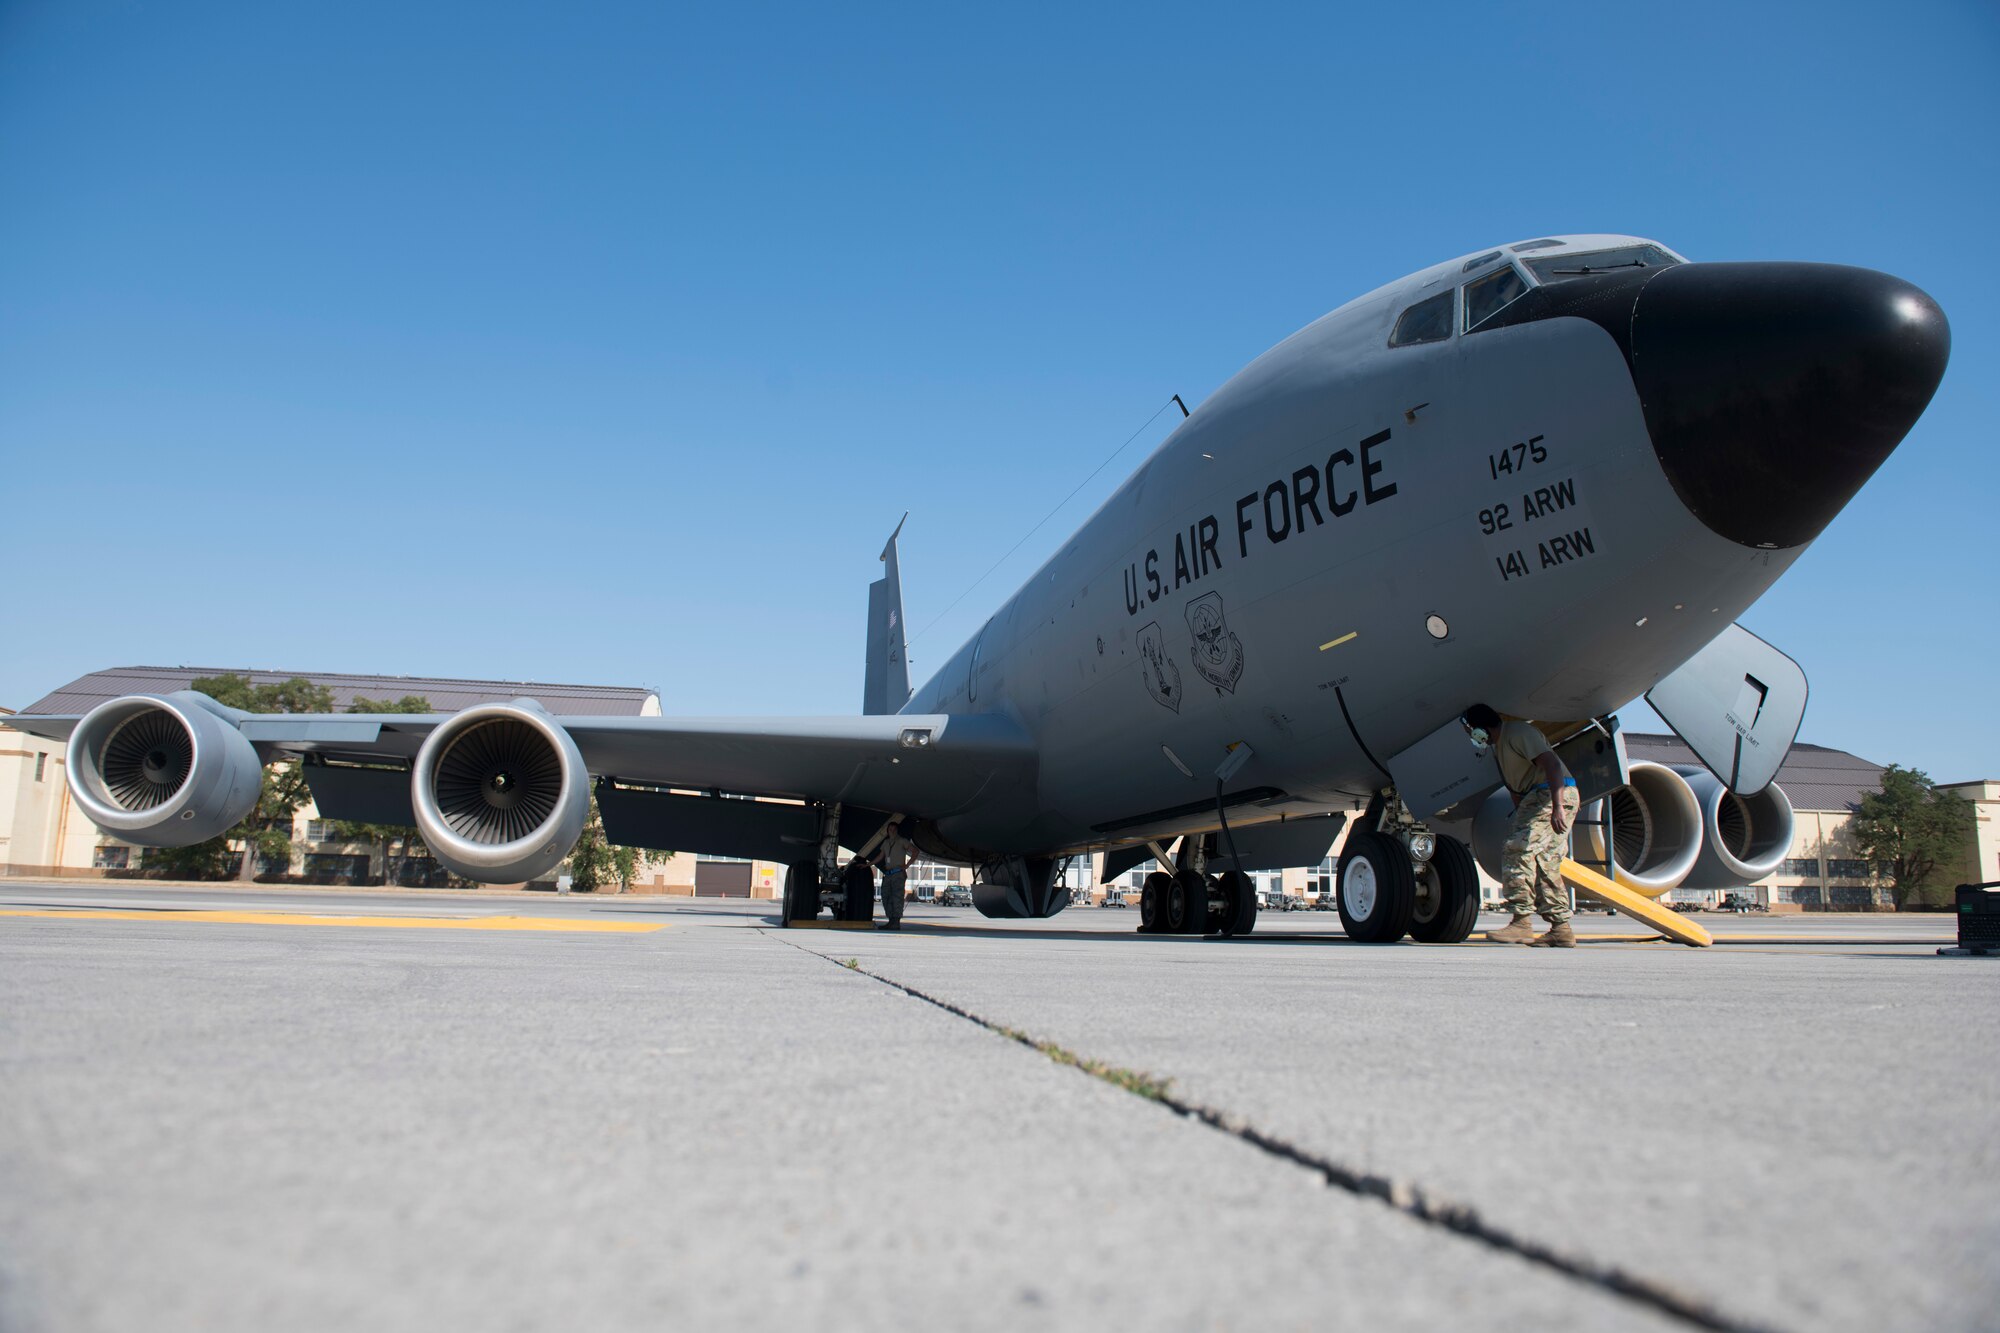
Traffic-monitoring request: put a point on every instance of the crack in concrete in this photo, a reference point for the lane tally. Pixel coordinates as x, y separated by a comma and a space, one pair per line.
1404, 1196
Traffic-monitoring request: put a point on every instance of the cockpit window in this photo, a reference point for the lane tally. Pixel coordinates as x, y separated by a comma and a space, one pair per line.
1428, 321
1483, 260
1488, 296
1543, 244
1561, 268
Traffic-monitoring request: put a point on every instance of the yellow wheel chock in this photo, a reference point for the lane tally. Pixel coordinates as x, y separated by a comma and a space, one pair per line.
1637, 906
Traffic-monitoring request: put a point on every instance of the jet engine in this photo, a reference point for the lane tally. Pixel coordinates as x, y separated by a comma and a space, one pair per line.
500, 793
162, 770
1746, 836
1656, 829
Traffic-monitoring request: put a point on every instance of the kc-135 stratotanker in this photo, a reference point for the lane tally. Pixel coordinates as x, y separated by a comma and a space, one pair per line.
1548, 476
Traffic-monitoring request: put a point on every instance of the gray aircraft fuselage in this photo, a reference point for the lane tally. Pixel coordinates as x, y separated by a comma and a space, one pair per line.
1548, 513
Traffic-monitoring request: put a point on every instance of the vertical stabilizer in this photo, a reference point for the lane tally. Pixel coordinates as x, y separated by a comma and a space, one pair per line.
887, 685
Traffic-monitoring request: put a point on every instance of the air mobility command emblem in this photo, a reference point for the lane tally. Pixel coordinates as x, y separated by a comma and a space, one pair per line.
1163, 678
1218, 654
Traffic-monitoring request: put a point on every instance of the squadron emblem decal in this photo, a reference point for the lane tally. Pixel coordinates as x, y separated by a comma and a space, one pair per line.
1163, 678
1218, 654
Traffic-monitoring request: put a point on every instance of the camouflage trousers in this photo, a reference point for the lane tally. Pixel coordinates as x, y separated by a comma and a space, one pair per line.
1531, 860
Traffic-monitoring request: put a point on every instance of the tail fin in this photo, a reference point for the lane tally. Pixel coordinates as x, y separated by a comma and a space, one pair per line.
886, 687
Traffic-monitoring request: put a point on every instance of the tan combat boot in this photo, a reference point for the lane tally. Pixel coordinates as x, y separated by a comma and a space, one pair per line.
1558, 936
1521, 930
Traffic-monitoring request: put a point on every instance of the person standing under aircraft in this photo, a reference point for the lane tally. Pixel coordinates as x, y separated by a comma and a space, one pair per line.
1545, 802
894, 858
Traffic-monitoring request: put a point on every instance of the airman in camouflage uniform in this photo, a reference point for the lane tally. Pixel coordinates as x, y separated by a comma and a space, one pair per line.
1545, 802
1532, 858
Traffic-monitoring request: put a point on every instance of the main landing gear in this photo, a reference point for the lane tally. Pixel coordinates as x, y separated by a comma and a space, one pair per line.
823, 883
1191, 902
1397, 878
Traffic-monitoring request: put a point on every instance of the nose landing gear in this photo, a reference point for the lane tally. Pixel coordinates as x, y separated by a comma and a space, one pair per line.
1396, 877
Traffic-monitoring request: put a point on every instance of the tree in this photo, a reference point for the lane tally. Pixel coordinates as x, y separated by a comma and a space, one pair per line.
397, 842
213, 859
595, 861
267, 833
1911, 828
626, 861
590, 862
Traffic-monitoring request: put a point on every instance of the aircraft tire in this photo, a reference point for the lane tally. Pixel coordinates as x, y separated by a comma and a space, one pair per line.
859, 880
1377, 892
1153, 903
802, 891
1239, 898
1457, 900
1187, 904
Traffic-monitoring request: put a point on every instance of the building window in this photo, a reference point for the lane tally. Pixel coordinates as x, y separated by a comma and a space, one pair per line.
41, 763
112, 858
1320, 879
320, 830
1806, 867
422, 872
1137, 879
1847, 869
930, 872
334, 868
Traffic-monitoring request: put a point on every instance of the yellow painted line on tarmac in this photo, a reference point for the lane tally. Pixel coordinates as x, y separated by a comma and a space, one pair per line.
546, 923
1335, 643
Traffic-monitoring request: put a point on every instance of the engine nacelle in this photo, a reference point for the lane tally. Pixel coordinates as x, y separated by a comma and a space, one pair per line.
1745, 837
500, 792
1656, 829
162, 770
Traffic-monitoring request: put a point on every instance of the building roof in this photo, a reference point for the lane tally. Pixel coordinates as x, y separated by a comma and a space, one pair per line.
1813, 776
445, 695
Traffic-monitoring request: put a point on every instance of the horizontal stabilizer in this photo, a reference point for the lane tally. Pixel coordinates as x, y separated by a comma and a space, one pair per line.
1738, 704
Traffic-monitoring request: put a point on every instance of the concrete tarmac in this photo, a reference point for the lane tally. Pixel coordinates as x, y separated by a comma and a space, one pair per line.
215, 1118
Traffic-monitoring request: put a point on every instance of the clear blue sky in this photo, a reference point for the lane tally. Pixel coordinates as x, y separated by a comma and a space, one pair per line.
605, 343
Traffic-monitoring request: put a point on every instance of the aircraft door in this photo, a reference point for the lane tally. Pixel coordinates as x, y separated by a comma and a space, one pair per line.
972, 671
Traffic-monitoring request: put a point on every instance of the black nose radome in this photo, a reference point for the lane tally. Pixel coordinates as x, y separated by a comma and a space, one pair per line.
1773, 391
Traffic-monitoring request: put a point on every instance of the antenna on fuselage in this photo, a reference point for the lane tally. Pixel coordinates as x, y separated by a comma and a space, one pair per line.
1051, 514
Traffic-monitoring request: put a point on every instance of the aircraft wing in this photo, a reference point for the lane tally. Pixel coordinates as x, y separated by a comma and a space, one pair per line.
927, 764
